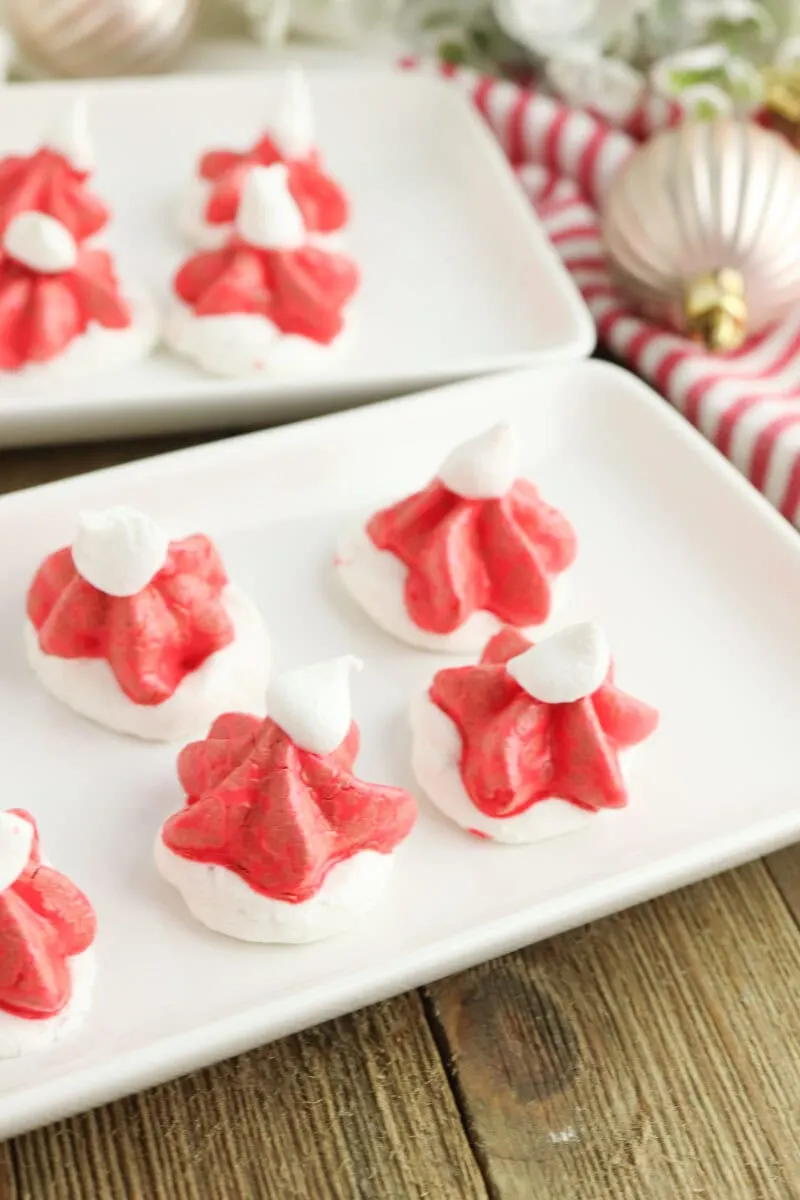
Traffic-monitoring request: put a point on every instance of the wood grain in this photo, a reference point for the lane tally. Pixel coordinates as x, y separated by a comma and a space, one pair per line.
22, 468
357, 1109
651, 1056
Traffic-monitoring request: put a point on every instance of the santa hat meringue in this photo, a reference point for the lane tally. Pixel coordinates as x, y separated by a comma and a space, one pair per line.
477, 549
527, 743
53, 179
142, 634
209, 208
47, 927
266, 298
279, 840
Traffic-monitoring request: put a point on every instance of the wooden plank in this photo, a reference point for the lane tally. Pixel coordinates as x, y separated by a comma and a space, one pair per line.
26, 467
784, 867
357, 1109
654, 1054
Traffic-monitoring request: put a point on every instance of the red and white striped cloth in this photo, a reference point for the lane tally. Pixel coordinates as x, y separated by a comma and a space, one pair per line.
748, 402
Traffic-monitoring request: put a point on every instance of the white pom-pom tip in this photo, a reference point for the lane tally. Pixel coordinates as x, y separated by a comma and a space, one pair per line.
40, 243
70, 136
485, 467
119, 550
291, 126
16, 842
268, 215
312, 704
567, 666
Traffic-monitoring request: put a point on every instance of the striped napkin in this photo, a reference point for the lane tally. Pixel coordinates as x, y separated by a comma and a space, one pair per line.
746, 402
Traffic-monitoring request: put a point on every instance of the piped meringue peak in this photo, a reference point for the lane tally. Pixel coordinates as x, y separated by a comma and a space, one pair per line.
567, 666
70, 136
119, 550
485, 467
268, 215
312, 704
40, 243
291, 125
16, 842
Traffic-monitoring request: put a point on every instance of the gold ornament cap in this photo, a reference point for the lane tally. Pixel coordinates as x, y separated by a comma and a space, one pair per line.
715, 309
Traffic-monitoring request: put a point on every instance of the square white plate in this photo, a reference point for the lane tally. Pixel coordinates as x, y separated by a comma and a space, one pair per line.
459, 279
694, 576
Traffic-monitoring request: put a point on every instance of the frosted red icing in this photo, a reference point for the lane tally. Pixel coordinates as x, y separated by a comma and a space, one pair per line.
44, 921
517, 750
466, 555
41, 314
301, 291
321, 201
278, 816
46, 182
152, 640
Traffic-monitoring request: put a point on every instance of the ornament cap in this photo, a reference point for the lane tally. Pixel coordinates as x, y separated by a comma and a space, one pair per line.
715, 309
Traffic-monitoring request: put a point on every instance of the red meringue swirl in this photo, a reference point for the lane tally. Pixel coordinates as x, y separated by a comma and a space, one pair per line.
464, 556
517, 750
44, 921
277, 816
47, 182
321, 201
301, 291
41, 314
152, 640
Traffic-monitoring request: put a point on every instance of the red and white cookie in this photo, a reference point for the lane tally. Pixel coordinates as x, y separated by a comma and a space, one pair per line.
279, 840
141, 634
269, 300
475, 550
47, 928
208, 211
532, 741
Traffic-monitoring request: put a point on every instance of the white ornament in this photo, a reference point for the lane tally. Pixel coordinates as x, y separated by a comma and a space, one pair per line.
41, 243
485, 467
119, 550
567, 666
312, 704
16, 841
268, 216
70, 137
292, 125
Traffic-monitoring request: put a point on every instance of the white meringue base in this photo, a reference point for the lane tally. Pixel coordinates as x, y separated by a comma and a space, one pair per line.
436, 751
99, 349
193, 226
232, 680
376, 579
19, 1035
222, 901
239, 344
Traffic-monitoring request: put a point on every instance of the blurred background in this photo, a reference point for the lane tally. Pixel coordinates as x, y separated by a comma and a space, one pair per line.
712, 55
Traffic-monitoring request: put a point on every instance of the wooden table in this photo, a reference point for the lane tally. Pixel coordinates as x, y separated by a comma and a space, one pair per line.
651, 1056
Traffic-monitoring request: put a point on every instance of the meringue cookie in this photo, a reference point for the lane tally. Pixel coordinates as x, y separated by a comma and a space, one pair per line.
234, 677
448, 566
19, 1035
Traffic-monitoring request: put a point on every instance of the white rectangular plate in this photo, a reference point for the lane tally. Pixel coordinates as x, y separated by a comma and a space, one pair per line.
458, 277
694, 576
